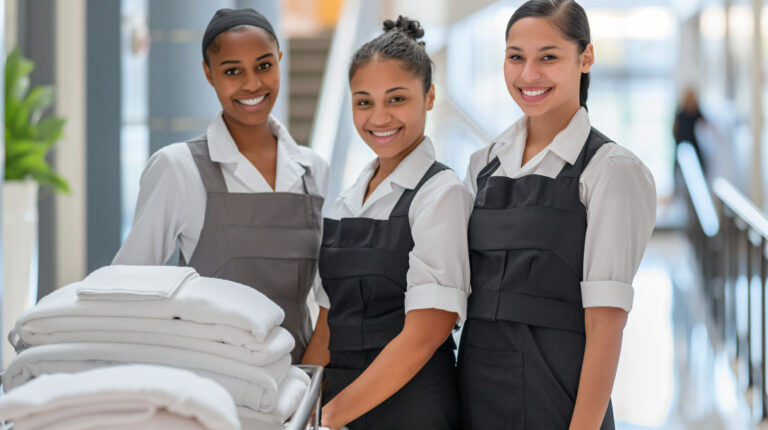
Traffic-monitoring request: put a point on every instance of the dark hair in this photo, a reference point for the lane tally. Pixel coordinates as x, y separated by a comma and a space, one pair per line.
215, 45
566, 16
400, 41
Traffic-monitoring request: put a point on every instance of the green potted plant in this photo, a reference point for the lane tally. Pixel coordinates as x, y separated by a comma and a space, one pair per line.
29, 134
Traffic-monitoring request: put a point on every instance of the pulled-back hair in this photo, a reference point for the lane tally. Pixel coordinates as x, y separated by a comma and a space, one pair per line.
400, 41
569, 18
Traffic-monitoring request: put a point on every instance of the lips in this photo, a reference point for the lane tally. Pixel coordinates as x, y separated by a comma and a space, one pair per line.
534, 94
385, 136
252, 103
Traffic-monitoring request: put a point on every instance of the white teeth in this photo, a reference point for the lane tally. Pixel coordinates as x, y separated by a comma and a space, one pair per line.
385, 133
252, 102
535, 93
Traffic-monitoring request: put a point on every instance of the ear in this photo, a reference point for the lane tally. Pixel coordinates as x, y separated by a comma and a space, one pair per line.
207, 71
279, 55
430, 97
587, 58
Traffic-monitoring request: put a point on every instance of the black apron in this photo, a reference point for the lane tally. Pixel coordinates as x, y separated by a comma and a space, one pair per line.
363, 264
523, 344
269, 241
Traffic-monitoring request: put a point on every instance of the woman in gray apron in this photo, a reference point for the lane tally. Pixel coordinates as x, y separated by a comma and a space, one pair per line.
560, 222
394, 258
243, 201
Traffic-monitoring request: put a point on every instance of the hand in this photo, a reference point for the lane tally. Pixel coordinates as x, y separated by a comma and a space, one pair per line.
330, 419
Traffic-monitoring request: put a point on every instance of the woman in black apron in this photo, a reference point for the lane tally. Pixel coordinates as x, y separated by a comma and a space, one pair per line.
394, 258
243, 201
561, 219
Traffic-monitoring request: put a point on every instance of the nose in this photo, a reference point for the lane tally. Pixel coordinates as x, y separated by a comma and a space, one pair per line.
252, 82
530, 71
380, 115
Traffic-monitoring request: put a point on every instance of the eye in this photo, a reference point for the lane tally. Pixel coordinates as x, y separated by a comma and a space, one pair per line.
362, 103
548, 58
515, 57
264, 66
396, 99
231, 72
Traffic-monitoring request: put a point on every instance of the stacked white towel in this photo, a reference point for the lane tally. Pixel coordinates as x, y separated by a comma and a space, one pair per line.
167, 316
122, 397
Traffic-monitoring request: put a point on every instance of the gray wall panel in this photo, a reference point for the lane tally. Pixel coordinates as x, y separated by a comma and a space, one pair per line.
103, 131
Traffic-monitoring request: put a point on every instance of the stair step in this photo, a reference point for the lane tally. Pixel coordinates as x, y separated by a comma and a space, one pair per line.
303, 107
308, 87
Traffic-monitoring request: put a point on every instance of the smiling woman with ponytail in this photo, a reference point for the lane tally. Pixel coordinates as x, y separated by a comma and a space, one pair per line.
561, 219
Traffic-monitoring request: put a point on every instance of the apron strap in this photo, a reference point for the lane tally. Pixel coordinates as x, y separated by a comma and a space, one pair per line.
310, 186
210, 171
594, 142
482, 180
403, 205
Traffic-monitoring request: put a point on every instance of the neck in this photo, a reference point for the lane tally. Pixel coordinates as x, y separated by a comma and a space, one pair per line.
543, 129
388, 165
249, 138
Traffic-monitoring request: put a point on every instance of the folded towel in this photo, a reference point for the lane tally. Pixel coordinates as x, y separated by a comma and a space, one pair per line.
118, 396
290, 393
109, 420
205, 301
119, 283
221, 340
255, 386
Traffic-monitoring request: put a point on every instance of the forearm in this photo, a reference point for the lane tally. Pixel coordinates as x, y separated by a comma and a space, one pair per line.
601, 357
395, 365
317, 352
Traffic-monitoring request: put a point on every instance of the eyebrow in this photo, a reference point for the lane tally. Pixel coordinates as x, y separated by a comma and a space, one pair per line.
366, 93
238, 61
545, 48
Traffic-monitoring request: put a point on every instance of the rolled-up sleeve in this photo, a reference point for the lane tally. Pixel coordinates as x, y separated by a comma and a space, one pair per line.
438, 275
620, 196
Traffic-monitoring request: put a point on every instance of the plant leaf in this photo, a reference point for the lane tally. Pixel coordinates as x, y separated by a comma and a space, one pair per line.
37, 101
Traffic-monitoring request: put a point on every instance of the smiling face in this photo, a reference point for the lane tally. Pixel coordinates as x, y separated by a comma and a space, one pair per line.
389, 107
543, 69
245, 72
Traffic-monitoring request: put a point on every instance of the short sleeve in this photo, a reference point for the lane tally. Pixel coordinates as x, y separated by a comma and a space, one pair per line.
620, 195
158, 220
321, 297
438, 275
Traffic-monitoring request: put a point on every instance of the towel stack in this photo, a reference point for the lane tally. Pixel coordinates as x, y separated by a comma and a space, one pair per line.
121, 398
168, 316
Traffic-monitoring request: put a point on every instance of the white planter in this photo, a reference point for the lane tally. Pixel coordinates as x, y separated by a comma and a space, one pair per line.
19, 218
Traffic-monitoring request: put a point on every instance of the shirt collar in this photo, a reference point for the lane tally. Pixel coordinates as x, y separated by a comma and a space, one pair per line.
223, 149
407, 174
567, 144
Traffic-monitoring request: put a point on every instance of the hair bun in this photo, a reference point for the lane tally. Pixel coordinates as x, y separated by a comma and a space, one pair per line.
410, 27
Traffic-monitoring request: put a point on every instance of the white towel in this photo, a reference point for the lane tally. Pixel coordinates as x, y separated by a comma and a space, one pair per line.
253, 386
118, 396
291, 392
134, 282
221, 340
204, 301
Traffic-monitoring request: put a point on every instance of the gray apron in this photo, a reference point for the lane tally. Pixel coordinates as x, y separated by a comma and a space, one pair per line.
522, 346
269, 241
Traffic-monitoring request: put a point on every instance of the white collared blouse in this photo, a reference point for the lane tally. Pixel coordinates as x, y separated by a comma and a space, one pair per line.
172, 197
616, 188
438, 273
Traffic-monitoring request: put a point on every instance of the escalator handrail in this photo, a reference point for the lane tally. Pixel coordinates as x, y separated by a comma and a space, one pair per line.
741, 206
696, 184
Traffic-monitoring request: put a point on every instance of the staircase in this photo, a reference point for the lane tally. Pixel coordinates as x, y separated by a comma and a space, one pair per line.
307, 62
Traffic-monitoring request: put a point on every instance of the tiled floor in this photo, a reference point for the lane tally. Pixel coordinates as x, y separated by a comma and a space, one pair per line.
670, 374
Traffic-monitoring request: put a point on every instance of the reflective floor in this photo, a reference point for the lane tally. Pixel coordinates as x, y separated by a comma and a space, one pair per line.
671, 376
